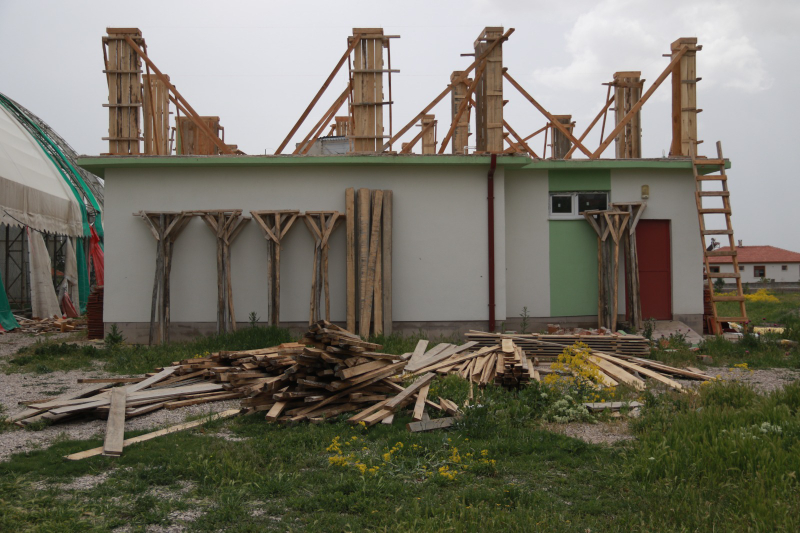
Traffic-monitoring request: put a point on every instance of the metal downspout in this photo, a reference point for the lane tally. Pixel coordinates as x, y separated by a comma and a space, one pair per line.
490, 199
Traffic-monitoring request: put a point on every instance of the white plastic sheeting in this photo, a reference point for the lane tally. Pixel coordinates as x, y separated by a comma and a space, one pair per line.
44, 301
32, 190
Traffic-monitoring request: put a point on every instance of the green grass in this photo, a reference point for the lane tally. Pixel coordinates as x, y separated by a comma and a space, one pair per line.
701, 463
136, 359
767, 312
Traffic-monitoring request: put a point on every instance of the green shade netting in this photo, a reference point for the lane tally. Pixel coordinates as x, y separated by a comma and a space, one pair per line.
7, 319
83, 275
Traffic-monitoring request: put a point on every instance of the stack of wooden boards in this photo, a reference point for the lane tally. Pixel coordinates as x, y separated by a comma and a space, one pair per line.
503, 364
548, 347
509, 364
331, 371
39, 326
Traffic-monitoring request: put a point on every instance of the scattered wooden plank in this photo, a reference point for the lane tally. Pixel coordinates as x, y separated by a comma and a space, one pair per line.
148, 436
115, 428
431, 425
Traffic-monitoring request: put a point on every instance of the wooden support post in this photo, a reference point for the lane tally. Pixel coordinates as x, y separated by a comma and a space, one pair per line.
226, 225
684, 96
124, 75
320, 224
633, 304
489, 93
461, 133
275, 225
165, 227
627, 92
562, 143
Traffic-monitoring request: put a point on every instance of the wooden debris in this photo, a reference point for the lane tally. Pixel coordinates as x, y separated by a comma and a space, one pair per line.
430, 425
40, 326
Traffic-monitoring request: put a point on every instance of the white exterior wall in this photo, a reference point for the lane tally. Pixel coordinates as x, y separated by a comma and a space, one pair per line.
528, 243
773, 271
672, 198
440, 270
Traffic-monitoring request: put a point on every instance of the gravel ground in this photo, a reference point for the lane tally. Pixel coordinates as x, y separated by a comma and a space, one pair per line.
599, 433
15, 388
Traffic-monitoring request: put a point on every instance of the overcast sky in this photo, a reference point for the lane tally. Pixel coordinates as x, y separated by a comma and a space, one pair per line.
258, 64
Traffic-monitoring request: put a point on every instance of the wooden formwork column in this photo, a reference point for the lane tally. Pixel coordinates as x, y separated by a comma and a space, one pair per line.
627, 92
124, 75
561, 143
684, 97
156, 115
367, 103
461, 132
429, 137
341, 126
489, 93
192, 140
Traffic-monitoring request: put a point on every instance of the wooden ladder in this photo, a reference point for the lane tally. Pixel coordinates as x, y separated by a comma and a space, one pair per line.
720, 176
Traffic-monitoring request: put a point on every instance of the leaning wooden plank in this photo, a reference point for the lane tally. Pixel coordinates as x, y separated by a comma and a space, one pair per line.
69, 396
406, 395
419, 407
164, 374
641, 370
430, 425
419, 351
115, 428
358, 417
617, 373
166, 431
441, 356
670, 369
460, 359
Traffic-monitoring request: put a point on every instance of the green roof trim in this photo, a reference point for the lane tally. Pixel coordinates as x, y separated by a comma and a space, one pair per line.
98, 164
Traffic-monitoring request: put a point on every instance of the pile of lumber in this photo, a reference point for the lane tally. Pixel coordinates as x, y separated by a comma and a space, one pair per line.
503, 364
331, 371
336, 373
552, 345
40, 326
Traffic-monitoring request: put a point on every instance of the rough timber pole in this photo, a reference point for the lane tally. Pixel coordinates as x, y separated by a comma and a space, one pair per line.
489, 94
684, 97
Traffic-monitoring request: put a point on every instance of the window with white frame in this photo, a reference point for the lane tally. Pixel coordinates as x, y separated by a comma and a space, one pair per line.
570, 205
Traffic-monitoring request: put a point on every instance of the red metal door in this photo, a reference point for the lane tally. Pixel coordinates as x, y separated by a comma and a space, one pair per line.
655, 275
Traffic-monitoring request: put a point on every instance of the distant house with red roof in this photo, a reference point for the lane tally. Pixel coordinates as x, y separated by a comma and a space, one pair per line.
757, 262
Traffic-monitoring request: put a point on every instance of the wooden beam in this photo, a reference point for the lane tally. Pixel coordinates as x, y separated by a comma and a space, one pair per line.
318, 95
464, 75
559, 126
635, 109
192, 113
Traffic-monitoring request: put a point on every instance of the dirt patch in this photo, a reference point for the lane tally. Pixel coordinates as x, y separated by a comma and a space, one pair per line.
762, 380
599, 433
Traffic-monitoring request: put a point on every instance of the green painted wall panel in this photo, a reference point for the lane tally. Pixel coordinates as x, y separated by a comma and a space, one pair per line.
579, 180
573, 268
